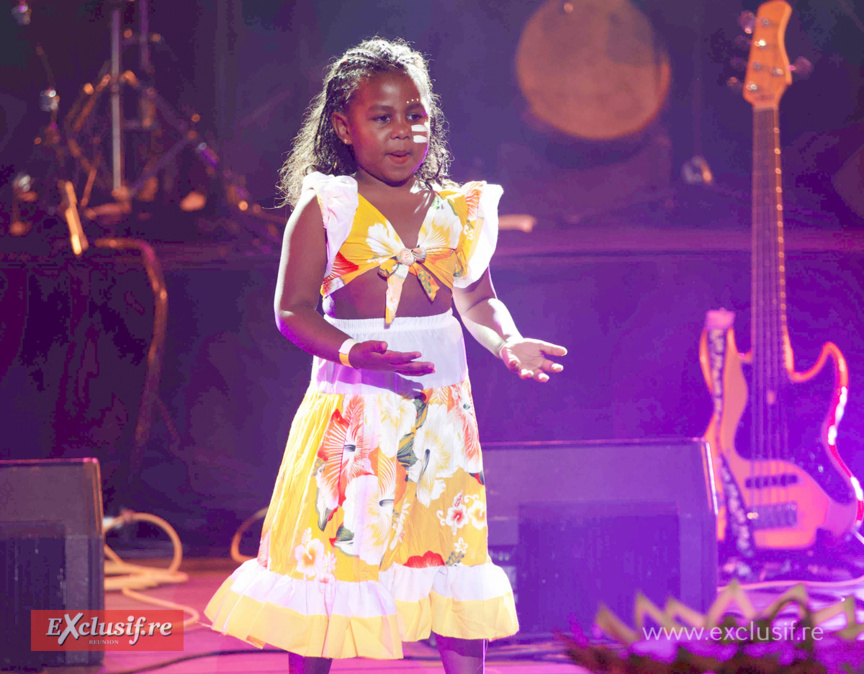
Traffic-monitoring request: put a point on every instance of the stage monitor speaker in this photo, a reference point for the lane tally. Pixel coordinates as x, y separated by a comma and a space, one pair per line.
51, 553
596, 522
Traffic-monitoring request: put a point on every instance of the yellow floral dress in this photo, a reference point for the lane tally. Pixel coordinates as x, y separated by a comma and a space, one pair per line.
376, 531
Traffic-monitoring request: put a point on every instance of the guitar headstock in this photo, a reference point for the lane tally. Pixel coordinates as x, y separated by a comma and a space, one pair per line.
768, 69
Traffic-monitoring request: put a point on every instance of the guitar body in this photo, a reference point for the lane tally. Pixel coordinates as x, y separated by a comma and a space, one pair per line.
780, 480
786, 498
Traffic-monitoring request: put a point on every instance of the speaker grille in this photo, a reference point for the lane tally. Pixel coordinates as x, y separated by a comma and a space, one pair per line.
573, 558
50, 552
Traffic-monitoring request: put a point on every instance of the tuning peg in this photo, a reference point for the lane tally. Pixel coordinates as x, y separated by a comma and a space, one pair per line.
801, 68
747, 20
742, 42
735, 85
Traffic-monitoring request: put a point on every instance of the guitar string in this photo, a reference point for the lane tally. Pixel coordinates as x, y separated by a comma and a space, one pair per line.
773, 217
756, 317
783, 335
764, 429
767, 429
768, 217
772, 399
768, 306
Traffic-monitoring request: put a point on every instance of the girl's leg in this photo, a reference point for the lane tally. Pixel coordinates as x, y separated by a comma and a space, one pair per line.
298, 664
462, 656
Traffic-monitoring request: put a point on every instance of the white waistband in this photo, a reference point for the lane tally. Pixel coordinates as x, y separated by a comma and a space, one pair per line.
438, 338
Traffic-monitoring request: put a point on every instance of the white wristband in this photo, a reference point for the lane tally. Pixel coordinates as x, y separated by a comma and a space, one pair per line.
343, 351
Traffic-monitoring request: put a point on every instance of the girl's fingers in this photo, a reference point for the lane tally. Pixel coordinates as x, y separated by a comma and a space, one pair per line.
415, 368
549, 366
552, 349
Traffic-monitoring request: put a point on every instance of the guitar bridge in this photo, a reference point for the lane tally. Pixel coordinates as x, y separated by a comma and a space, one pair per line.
774, 516
764, 481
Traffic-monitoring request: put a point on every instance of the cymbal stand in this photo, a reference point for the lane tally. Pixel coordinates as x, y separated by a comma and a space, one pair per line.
84, 131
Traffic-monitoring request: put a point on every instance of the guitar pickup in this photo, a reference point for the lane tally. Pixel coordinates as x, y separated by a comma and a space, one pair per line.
764, 481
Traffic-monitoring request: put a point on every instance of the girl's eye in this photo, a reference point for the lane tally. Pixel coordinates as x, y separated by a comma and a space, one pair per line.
382, 118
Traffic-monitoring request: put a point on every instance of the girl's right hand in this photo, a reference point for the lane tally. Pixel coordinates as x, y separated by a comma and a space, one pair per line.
373, 355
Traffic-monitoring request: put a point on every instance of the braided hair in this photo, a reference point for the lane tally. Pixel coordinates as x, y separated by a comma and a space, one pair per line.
318, 148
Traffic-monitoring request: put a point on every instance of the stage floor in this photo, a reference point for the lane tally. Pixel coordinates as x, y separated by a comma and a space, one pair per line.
508, 657
205, 576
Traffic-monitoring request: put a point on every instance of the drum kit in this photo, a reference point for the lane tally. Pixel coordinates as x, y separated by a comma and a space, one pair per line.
122, 149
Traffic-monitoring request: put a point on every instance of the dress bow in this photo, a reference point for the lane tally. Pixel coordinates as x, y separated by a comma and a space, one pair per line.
396, 269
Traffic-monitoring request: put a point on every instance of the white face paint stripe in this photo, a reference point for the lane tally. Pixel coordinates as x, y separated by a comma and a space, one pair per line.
418, 129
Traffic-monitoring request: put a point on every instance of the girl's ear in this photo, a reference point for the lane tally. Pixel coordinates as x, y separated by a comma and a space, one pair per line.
340, 126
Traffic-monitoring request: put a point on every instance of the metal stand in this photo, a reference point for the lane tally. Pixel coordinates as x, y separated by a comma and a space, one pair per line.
84, 130
113, 176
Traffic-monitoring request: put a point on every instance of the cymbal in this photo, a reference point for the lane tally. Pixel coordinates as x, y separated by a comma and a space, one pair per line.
593, 69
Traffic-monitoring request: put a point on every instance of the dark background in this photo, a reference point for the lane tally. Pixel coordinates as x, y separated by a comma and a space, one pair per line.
75, 333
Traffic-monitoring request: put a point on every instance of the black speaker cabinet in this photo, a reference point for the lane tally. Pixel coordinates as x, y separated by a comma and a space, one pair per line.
595, 522
50, 552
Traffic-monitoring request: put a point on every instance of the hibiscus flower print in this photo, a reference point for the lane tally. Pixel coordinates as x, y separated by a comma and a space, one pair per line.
345, 452
457, 515
435, 448
342, 266
476, 511
326, 575
472, 199
396, 415
456, 518
438, 231
383, 241
310, 555
368, 513
445, 395
424, 561
463, 409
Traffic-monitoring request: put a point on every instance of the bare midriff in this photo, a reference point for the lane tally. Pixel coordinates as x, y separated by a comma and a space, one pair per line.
364, 298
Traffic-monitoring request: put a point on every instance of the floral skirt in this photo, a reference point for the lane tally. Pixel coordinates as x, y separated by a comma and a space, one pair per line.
376, 531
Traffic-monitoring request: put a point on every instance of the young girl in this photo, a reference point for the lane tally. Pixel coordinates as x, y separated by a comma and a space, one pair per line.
376, 531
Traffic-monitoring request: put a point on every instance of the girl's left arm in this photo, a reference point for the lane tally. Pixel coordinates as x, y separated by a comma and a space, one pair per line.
490, 323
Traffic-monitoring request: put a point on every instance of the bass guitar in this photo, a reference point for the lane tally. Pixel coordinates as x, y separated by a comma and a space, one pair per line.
781, 481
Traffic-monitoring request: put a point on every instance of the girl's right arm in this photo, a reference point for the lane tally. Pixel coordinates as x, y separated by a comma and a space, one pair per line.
301, 269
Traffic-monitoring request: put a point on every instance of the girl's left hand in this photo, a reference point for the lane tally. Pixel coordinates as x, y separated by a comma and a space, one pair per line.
529, 358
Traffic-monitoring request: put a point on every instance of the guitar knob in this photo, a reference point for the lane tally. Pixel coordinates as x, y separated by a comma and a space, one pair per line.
747, 20
802, 68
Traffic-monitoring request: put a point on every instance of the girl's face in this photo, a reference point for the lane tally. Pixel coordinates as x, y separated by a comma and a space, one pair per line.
387, 124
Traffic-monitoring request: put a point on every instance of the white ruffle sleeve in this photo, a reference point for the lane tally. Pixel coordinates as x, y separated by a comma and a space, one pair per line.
482, 237
337, 197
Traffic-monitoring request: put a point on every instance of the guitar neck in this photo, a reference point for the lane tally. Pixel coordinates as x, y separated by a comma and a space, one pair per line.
770, 337
768, 75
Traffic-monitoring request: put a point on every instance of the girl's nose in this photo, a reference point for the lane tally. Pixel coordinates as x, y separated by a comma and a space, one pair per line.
401, 128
